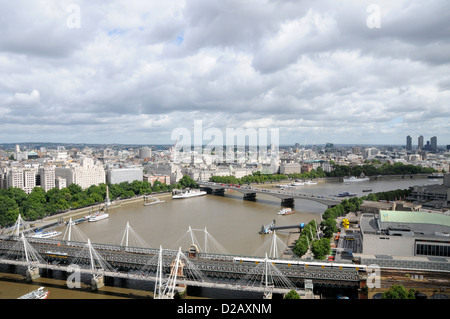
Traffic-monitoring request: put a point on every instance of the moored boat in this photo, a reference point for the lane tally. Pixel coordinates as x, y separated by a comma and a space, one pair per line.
39, 293
355, 179
98, 216
48, 234
187, 194
345, 194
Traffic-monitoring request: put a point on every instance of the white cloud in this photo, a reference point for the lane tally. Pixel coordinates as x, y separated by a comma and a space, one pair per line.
134, 71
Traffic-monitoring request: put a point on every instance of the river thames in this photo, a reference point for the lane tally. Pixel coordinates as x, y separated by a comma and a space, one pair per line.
231, 222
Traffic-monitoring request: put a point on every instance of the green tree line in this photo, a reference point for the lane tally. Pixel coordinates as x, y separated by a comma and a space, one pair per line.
257, 177
378, 169
368, 169
39, 204
307, 239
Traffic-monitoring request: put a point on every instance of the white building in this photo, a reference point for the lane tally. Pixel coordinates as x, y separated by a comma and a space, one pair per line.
127, 174
85, 174
14, 178
60, 183
47, 176
21, 177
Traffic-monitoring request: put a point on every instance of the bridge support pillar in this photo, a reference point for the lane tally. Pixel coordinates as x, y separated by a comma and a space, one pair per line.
220, 191
32, 273
250, 196
97, 282
287, 202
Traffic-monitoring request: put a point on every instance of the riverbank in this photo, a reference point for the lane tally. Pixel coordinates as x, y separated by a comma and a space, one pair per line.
340, 179
80, 212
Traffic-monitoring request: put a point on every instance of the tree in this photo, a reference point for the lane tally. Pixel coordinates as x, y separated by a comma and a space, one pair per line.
74, 189
17, 194
328, 227
186, 181
8, 211
398, 292
321, 248
292, 295
34, 206
301, 246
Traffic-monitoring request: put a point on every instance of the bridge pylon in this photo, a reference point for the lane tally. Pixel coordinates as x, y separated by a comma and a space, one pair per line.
89, 259
22, 251
18, 228
130, 239
165, 289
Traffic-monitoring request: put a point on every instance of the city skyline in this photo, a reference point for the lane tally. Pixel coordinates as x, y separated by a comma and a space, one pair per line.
353, 73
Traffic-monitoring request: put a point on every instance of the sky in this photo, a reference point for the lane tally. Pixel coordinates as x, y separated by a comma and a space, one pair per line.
131, 72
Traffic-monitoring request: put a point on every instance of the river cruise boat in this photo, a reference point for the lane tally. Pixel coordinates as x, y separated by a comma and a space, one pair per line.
285, 211
188, 194
353, 179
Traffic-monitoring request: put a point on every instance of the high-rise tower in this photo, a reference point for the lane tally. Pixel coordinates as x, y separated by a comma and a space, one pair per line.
408, 143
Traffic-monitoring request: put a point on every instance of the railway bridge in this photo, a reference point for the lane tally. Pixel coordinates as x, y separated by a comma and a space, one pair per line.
192, 267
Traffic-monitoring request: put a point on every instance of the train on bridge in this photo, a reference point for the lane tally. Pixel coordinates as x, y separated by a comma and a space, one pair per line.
303, 263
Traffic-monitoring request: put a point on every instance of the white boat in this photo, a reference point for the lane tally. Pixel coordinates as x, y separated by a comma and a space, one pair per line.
156, 201
98, 216
298, 184
310, 183
285, 211
355, 179
187, 194
39, 293
48, 234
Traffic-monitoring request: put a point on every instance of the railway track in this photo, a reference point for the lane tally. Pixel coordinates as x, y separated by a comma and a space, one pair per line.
415, 279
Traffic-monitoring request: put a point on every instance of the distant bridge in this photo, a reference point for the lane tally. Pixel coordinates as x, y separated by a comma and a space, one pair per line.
287, 197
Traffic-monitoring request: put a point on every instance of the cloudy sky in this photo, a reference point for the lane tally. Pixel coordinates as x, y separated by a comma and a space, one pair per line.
132, 71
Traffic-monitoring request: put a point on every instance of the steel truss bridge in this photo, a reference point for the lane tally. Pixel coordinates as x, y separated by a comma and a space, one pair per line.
196, 269
287, 197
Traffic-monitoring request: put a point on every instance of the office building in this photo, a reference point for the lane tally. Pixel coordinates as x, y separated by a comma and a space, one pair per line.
127, 174
47, 177
84, 174
408, 143
420, 143
164, 179
21, 177
433, 142
60, 183
405, 233
290, 168
145, 152
433, 195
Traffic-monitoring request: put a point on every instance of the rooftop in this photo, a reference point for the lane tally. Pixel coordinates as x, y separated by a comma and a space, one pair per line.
392, 216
